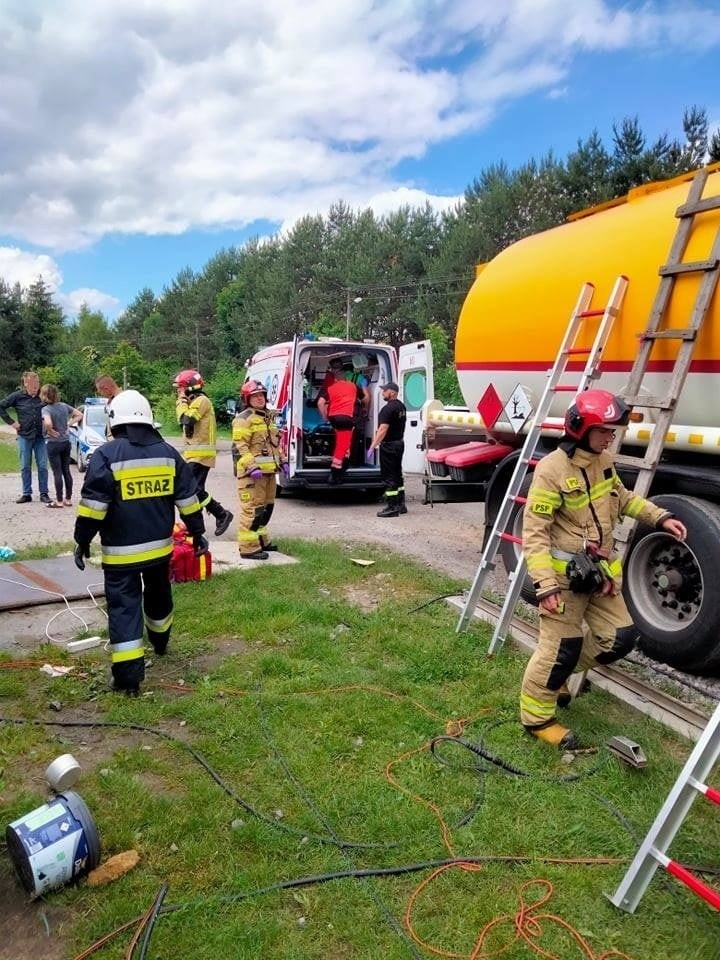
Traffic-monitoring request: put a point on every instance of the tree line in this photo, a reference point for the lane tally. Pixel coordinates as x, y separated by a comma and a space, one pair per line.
395, 278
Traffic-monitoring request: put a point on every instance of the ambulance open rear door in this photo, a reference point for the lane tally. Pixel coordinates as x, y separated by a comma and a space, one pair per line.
416, 382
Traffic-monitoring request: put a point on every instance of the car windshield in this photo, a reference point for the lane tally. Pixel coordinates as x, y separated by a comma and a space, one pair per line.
96, 417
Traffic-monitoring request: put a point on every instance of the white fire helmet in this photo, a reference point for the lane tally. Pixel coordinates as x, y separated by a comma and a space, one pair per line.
129, 406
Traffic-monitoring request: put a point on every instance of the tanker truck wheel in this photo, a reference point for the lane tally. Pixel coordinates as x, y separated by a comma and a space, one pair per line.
671, 588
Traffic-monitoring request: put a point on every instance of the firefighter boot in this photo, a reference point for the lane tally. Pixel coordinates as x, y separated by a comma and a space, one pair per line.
556, 735
401, 501
267, 547
255, 555
336, 476
391, 508
223, 517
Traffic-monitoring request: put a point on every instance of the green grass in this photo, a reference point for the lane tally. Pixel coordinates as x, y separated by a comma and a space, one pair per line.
9, 462
300, 719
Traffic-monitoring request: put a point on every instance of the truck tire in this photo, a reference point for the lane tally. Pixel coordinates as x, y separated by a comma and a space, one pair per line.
510, 552
668, 587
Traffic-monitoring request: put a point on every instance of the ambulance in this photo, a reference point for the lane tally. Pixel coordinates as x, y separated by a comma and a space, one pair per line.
295, 372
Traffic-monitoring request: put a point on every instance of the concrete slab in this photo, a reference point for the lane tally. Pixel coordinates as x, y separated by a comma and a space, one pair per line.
226, 556
25, 583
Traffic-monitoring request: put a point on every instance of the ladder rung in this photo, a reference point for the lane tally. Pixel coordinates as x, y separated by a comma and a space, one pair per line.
592, 313
655, 403
707, 893
687, 333
565, 388
532, 462
696, 266
690, 209
549, 425
510, 538
573, 351
710, 792
622, 460
519, 499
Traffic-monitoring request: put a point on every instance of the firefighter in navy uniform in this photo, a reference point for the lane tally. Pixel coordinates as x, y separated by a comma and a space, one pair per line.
132, 486
573, 504
197, 418
257, 440
389, 438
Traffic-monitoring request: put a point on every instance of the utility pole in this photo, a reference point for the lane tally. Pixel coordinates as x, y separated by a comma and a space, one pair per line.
124, 378
197, 345
349, 301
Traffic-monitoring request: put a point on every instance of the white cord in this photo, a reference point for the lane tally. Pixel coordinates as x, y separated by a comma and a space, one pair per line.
61, 596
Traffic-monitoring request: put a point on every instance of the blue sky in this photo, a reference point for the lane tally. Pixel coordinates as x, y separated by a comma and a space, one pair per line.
137, 141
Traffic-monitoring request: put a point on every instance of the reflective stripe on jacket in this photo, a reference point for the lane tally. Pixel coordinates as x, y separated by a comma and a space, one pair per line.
574, 500
257, 439
130, 494
200, 447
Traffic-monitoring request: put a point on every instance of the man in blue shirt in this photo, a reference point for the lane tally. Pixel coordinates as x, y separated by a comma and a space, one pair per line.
28, 427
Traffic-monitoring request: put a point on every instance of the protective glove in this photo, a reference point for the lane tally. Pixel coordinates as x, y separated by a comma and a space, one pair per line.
285, 468
256, 474
200, 545
81, 551
370, 456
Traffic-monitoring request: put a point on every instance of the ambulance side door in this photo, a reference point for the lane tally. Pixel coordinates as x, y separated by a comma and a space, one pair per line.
416, 382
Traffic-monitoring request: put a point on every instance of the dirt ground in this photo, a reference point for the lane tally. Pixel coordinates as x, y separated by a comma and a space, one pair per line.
447, 536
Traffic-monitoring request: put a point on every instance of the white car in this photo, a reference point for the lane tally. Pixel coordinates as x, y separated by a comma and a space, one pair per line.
90, 433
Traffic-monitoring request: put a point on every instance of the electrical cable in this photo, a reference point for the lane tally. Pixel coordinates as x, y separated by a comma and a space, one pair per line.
198, 757
443, 596
151, 920
64, 598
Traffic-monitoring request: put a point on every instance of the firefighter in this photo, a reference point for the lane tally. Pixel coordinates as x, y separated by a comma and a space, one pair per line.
197, 418
257, 439
337, 404
132, 486
575, 500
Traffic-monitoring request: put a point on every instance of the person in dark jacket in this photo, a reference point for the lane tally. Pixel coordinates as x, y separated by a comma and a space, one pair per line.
132, 487
389, 438
28, 427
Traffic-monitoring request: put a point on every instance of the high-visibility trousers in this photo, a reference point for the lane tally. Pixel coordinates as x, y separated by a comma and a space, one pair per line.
590, 630
257, 500
137, 598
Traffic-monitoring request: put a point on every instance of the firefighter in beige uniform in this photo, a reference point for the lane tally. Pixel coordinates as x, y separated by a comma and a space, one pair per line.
574, 502
257, 439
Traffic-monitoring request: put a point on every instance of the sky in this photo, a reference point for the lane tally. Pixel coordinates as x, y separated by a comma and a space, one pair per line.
139, 137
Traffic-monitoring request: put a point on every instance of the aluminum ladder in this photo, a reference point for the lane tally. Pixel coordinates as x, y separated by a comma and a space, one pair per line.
569, 349
653, 850
674, 268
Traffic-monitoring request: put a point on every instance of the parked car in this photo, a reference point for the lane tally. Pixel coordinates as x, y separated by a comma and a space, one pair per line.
90, 433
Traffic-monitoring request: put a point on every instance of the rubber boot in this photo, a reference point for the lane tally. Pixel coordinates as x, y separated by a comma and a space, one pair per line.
556, 735
255, 555
268, 547
401, 502
336, 476
391, 508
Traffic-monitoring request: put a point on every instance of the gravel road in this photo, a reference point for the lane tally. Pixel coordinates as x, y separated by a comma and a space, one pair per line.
447, 537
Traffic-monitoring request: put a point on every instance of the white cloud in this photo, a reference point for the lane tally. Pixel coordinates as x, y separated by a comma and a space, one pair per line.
24, 267
138, 116
93, 299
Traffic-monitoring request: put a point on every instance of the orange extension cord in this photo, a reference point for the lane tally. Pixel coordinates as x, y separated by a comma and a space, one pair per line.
527, 923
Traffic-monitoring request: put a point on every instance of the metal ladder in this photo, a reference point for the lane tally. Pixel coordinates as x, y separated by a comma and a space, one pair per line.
569, 349
653, 850
674, 268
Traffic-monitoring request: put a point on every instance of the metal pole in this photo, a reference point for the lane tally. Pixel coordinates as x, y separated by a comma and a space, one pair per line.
197, 345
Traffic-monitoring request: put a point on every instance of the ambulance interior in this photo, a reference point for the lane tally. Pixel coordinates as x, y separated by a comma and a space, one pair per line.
317, 436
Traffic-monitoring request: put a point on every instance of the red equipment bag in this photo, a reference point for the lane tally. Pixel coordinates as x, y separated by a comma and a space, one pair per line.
184, 565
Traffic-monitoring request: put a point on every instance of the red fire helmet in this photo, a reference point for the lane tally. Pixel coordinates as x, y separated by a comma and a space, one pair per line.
189, 380
251, 387
595, 408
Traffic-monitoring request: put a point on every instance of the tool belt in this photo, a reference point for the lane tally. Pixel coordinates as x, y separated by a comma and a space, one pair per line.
588, 571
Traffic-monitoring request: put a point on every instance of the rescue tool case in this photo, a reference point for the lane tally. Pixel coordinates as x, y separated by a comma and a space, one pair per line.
184, 565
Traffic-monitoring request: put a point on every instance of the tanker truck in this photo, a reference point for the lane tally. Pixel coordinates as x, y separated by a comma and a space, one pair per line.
509, 331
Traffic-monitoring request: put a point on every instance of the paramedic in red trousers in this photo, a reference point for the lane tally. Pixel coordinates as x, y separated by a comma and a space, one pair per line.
389, 440
257, 440
337, 404
575, 500
196, 416
133, 484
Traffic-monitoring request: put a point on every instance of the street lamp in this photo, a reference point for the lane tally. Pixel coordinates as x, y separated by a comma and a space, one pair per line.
348, 311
